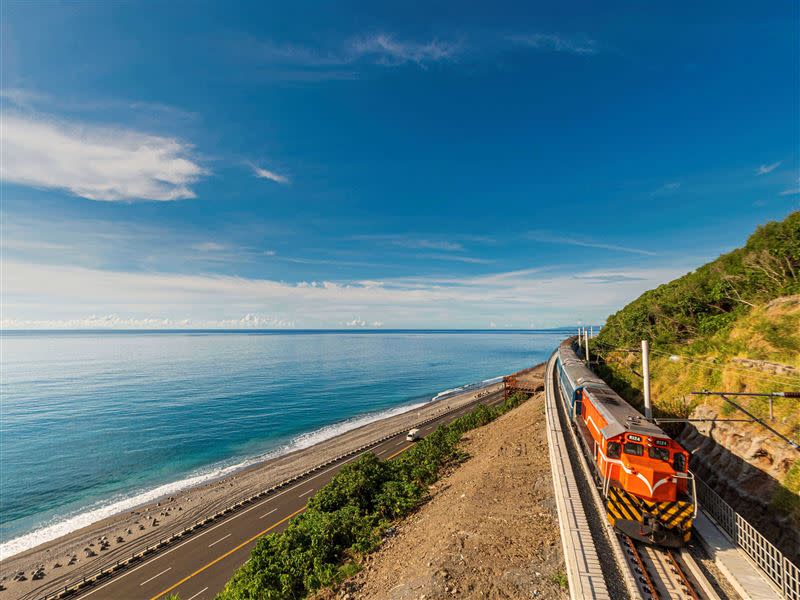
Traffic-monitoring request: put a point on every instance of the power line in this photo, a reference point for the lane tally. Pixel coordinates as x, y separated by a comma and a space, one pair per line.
784, 379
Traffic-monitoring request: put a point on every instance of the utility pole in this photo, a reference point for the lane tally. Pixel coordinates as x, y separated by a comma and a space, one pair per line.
586, 340
591, 332
648, 407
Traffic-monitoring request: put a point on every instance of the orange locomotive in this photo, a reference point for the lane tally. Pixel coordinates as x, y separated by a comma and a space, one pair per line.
643, 472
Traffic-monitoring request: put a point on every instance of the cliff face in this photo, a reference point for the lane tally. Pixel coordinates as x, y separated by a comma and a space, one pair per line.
747, 467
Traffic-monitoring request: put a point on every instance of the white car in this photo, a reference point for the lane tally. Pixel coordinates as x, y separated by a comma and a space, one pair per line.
413, 435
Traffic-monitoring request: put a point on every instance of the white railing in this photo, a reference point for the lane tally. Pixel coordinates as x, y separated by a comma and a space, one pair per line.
783, 572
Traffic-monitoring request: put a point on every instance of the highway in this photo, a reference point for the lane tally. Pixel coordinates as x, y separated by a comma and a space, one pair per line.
199, 567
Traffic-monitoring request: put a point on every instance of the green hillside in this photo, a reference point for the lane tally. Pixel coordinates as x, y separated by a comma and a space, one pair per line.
692, 308
732, 324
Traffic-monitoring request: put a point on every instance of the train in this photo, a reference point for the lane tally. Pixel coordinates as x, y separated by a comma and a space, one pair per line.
644, 474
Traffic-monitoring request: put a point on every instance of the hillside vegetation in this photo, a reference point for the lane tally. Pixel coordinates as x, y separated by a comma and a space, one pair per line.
731, 325
346, 518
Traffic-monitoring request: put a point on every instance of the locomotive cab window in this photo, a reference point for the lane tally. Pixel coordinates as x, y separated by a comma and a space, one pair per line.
613, 449
679, 462
634, 449
658, 453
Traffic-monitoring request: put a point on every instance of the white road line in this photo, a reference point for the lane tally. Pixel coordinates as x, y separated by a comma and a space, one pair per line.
400, 442
154, 576
197, 594
210, 529
219, 540
269, 513
306, 493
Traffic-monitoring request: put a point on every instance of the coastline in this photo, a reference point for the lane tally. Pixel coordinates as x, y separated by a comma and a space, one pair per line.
90, 548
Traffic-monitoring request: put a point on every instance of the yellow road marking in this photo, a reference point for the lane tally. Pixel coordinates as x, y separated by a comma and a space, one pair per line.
391, 456
228, 553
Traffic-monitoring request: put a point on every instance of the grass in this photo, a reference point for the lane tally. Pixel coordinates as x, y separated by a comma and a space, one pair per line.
560, 579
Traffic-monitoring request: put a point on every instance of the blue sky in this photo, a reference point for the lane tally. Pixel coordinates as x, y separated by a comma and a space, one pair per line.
382, 164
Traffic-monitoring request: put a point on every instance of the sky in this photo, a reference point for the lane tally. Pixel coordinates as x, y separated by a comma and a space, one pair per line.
381, 164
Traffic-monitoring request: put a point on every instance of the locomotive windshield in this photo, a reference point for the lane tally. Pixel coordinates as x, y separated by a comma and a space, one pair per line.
635, 449
659, 453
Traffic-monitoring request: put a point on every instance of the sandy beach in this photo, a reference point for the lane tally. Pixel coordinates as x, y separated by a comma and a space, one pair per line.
61, 562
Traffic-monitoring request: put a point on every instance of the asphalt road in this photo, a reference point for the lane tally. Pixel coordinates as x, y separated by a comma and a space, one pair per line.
198, 568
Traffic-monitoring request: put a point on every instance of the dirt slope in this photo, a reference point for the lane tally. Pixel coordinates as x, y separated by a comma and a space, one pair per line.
490, 530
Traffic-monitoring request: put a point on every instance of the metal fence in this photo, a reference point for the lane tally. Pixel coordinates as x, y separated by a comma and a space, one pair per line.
784, 573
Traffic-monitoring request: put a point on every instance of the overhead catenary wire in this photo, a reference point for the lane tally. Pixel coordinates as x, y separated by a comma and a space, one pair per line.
779, 379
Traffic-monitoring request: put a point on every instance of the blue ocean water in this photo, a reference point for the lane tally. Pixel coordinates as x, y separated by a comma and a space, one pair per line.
93, 422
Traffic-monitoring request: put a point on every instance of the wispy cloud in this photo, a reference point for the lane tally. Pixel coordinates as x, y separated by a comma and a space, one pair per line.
550, 238
457, 258
97, 163
557, 43
209, 247
271, 175
385, 49
420, 241
339, 62
764, 169
428, 244
792, 191
666, 188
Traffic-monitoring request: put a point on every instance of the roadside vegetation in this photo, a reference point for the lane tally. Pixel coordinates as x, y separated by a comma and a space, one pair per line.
348, 517
732, 324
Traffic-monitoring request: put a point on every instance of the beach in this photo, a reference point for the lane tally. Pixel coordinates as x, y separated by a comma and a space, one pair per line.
82, 552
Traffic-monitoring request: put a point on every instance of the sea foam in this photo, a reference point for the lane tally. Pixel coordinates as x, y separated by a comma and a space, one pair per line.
63, 525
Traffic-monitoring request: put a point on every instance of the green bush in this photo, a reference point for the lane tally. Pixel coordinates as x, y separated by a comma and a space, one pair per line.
710, 299
346, 517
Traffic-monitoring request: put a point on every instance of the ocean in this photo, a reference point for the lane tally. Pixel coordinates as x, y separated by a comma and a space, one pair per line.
92, 423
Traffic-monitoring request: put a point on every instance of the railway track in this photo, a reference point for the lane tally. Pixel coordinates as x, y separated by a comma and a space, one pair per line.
659, 573
663, 573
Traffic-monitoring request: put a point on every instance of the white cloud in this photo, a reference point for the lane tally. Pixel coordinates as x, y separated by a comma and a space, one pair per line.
271, 175
113, 321
57, 293
764, 169
557, 43
356, 323
97, 163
